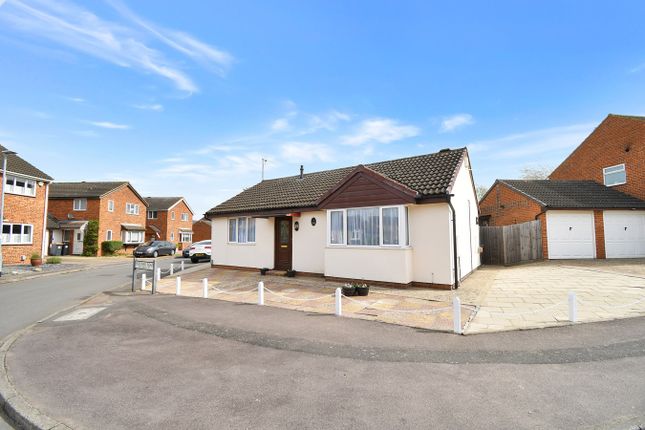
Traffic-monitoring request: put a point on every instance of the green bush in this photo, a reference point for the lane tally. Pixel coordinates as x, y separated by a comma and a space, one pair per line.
109, 247
35, 256
91, 239
53, 260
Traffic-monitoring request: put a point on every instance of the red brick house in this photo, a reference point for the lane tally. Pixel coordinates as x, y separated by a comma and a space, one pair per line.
201, 230
118, 207
170, 219
25, 209
579, 219
612, 155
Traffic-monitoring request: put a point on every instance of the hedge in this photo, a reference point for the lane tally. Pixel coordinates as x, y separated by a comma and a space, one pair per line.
109, 247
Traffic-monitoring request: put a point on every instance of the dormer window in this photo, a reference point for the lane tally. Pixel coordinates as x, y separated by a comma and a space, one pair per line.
615, 175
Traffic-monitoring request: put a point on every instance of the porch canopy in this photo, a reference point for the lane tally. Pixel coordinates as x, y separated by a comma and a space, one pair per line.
133, 227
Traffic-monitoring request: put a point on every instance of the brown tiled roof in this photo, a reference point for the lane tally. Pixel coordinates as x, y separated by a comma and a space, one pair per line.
428, 175
574, 194
70, 190
17, 165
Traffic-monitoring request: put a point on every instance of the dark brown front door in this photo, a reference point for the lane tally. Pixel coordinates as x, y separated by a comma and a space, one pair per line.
283, 243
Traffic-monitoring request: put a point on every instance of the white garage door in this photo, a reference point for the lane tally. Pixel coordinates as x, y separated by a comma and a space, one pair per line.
624, 234
570, 234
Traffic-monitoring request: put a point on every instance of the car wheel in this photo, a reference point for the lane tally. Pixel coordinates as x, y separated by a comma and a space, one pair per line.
194, 259
155, 254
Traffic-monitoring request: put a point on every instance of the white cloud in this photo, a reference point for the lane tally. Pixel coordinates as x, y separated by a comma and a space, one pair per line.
110, 125
280, 124
382, 130
328, 121
297, 152
637, 69
154, 107
454, 122
76, 99
80, 29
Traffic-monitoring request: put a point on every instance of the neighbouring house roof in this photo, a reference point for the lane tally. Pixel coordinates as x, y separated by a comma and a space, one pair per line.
52, 222
555, 194
19, 166
164, 203
71, 224
154, 228
133, 227
427, 175
89, 190
204, 220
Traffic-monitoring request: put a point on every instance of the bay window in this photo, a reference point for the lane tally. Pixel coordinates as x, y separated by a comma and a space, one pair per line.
372, 226
133, 236
241, 230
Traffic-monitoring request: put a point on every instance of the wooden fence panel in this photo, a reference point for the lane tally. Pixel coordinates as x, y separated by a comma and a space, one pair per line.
511, 244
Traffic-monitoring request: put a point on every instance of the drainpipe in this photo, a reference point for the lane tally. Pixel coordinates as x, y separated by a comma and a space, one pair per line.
454, 241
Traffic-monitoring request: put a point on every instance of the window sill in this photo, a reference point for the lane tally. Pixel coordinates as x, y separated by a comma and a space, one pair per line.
19, 194
17, 244
375, 247
241, 244
615, 185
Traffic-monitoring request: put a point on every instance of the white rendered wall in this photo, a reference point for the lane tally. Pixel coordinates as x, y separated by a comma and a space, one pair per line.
309, 242
430, 239
258, 254
369, 263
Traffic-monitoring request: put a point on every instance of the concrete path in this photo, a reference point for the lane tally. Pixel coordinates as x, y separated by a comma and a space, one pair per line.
165, 362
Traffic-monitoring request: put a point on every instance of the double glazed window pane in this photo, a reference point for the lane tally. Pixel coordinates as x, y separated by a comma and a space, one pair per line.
336, 228
241, 230
390, 226
363, 226
251, 230
232, 230
615, 175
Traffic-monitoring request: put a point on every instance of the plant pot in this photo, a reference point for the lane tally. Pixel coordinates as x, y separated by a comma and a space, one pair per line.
36, 262
263, 271
349, 291
362, 291
291, 273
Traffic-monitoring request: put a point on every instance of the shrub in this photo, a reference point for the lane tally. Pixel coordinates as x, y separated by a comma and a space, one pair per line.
35, 256
109, 247
91, 239
53, 260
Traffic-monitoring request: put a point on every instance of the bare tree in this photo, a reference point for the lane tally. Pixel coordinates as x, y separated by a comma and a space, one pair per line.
535, 172
480, 190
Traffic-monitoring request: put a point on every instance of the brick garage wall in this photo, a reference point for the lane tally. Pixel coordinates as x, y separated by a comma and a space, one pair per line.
201, 230
545, 243
113, 220
25, 210
161, 223
599, 227
506, 206
616, 140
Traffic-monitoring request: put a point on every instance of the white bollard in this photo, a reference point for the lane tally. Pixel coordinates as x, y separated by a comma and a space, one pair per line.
339, 303
182, 265
456, 315
172, 269
143, 281
261, 293
178, 283
158, 274
573, 307
205, 288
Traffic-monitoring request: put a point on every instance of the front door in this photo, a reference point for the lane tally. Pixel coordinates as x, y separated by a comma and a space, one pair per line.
283, 243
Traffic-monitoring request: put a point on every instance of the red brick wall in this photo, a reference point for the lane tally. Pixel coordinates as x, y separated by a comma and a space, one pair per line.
616, 140
161, 223
506, 206
599, 225
25, 210
201, 231
545, 243
113, 220
167, 225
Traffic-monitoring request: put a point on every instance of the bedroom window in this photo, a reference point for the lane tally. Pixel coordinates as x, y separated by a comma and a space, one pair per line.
372, 226
24, 187
615, 175
241, 230
80, 204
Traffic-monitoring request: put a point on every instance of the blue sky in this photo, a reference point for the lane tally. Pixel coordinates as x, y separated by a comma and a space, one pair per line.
185, 98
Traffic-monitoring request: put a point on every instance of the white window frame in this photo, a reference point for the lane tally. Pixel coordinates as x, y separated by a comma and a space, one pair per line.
185, 237
81, 206
604, 174
110, 206
128, 237
172, 236
403, 228
132, 209
150, 214
184, 216
108, 235
11, 188
10, 236
172, 215
237, 230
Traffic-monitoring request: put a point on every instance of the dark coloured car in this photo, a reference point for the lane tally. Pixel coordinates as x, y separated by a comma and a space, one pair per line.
155, 248
186, 252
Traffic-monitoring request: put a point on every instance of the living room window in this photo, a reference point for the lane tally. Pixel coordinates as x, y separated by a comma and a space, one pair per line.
17, 234
371, 226
615, 175
241, 230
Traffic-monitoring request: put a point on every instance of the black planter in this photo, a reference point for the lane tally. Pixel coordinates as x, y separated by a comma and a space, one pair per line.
349, 291
291, 273
362, 291
263, 271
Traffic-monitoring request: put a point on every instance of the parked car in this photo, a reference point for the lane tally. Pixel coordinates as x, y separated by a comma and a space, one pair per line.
186, 252
155, 248
200, 251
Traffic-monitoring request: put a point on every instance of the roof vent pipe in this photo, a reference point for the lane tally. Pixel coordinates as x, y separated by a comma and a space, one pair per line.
302, 171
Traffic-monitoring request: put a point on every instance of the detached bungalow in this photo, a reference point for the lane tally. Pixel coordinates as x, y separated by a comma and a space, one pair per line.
411, 221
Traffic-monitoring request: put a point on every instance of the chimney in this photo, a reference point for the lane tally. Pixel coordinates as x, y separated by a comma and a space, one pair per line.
302, 171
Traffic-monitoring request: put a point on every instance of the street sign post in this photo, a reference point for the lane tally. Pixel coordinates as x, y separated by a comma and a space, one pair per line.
146, 266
